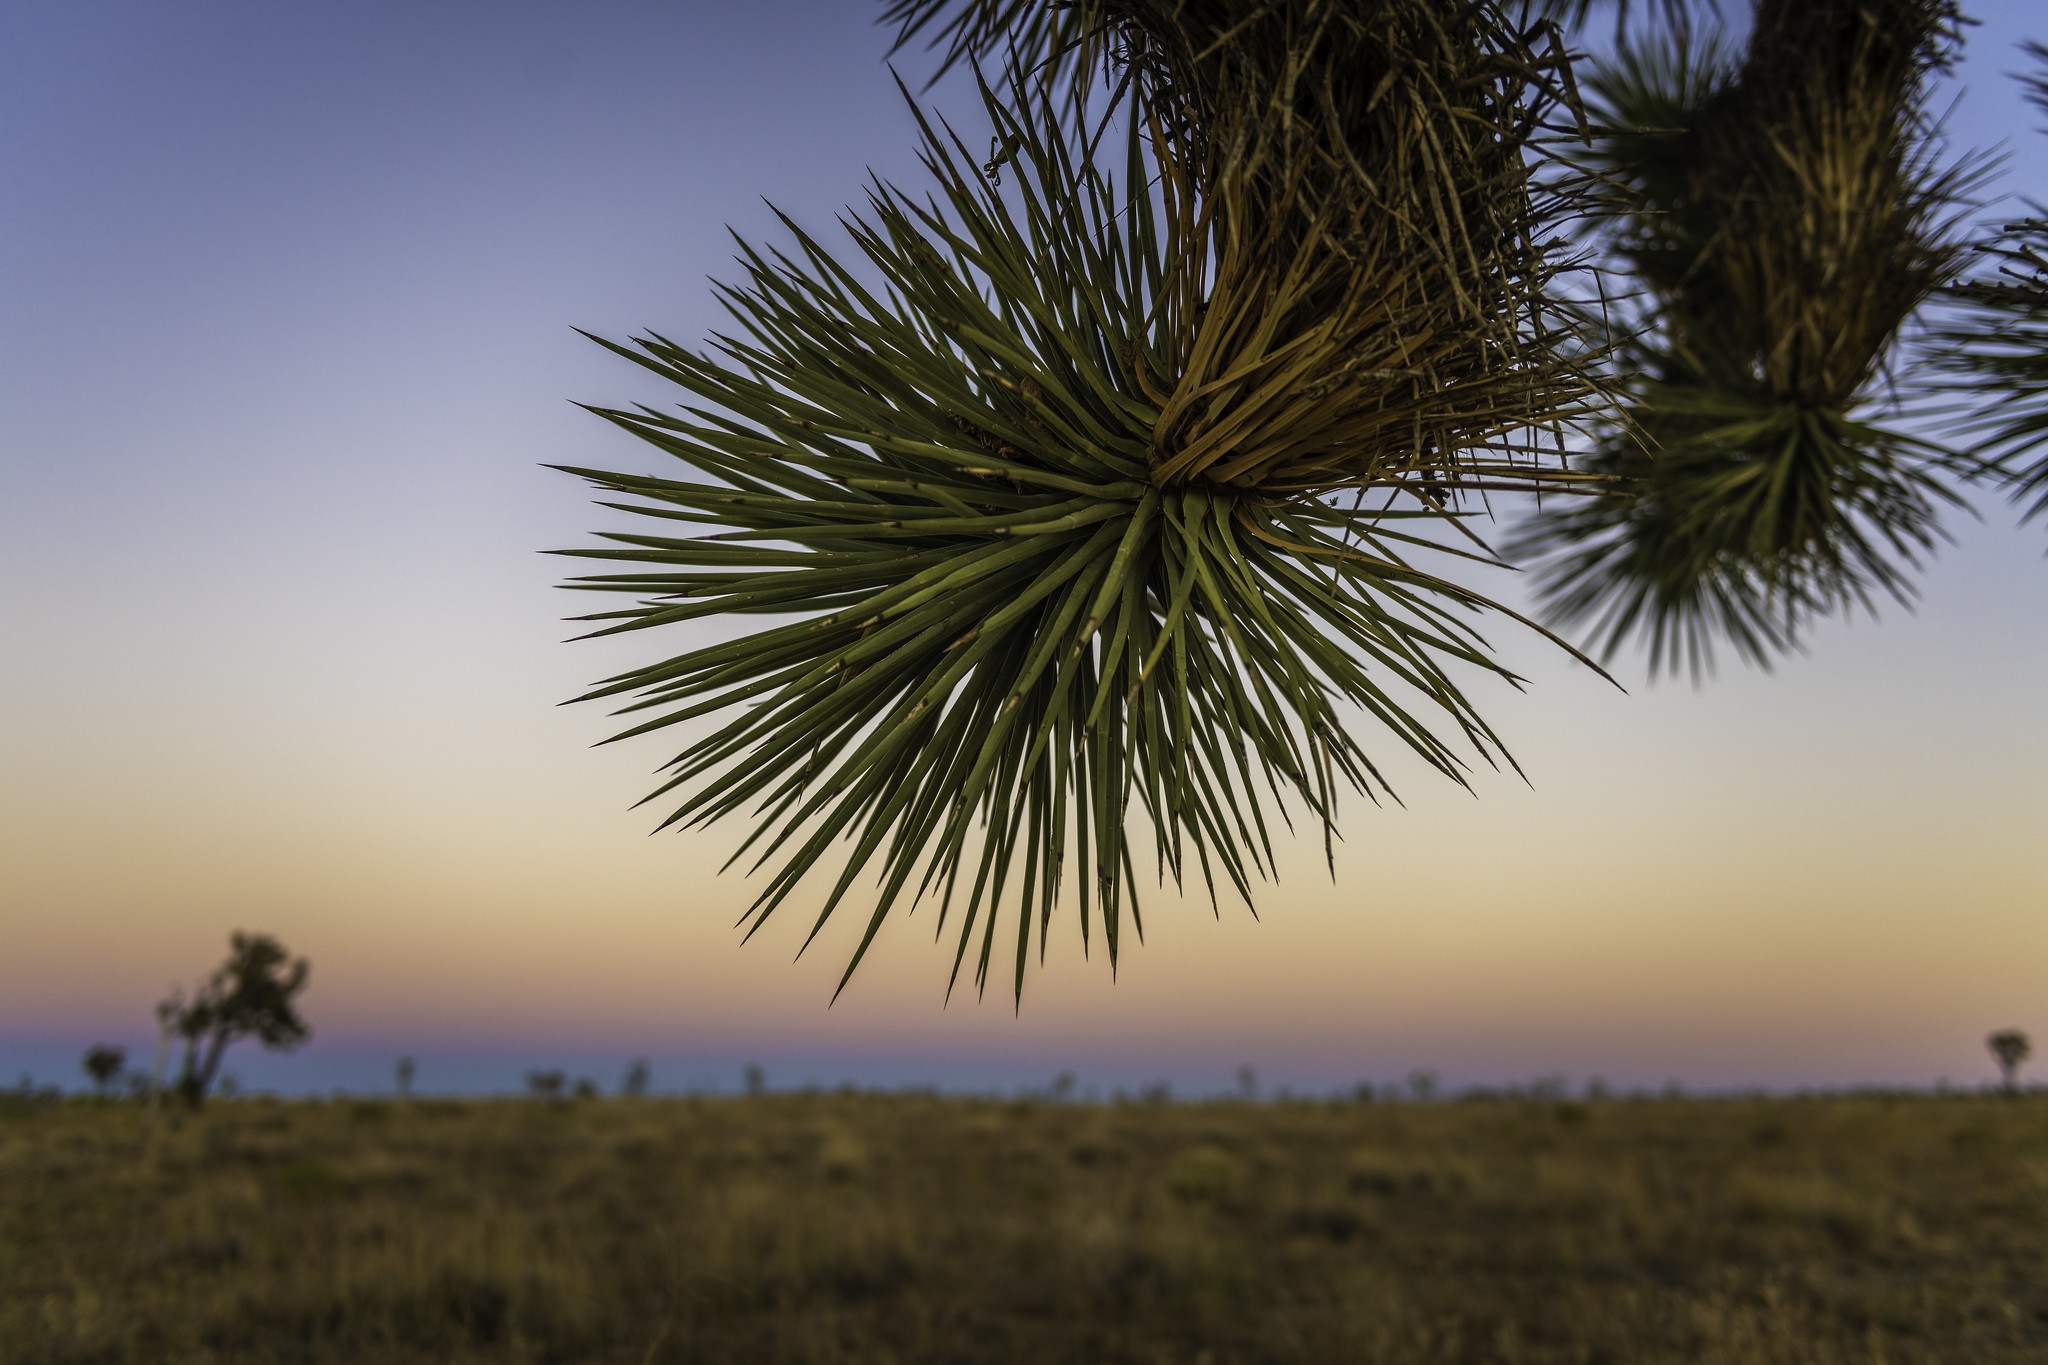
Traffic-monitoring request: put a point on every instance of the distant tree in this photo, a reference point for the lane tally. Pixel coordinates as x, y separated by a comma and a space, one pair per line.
406, 1068
637, 1076
248, 996
103, 1062
2010, 1047
585, 1088
1247, 1082
545, 1085
757, 1080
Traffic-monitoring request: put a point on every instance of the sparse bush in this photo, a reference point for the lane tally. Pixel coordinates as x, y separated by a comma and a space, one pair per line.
843, 1158
103, 1063
2010, 1047
1203, 1175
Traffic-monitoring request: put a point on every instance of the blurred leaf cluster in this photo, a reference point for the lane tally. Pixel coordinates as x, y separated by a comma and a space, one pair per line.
1998, 346
1780, 216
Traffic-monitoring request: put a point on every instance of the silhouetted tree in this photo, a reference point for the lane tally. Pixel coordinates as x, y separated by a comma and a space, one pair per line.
103, 1062
2010, 1047
406, 1068
248, 996
545, 1085
637, 1074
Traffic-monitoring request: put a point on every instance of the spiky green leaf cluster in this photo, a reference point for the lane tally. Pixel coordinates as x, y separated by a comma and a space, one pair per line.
1004, 643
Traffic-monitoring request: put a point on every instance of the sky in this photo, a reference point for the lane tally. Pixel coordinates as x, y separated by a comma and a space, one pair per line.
286, 308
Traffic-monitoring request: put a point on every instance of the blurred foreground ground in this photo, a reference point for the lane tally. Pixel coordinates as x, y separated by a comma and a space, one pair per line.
910, 1228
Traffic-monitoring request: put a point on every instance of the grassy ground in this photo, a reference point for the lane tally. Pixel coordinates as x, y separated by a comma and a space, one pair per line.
904, 1228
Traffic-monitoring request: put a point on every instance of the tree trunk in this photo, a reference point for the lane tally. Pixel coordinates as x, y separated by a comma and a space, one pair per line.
217, 1045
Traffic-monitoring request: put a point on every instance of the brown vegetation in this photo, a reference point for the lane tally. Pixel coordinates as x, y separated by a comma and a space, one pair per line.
910, 1228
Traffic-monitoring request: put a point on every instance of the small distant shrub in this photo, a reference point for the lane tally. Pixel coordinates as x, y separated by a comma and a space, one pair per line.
843, 1159
1973, 1139
1334, 1222
1202, 1175
1370, 1171
311, 1180
27, 1097
2009, 1047
585, 1088
545, 1085
103, 1063
1094, 1149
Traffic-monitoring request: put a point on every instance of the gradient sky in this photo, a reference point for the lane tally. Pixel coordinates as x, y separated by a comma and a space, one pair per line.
285, 305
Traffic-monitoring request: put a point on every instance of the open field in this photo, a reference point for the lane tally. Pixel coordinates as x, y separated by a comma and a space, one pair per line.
911, 1228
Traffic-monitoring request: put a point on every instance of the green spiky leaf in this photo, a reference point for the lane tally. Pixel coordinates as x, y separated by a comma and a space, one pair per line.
1059, 495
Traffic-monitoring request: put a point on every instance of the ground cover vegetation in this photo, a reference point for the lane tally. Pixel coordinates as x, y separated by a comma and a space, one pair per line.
907, 1228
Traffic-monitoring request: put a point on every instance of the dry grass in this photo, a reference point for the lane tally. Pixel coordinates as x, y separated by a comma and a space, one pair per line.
827, 1228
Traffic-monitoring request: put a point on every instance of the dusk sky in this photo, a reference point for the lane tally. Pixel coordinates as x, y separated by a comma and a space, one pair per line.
286, 299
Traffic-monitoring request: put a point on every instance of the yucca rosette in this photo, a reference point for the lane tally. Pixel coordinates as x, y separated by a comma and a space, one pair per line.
1088, 506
